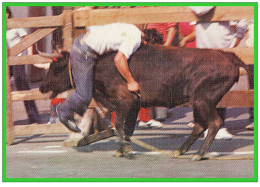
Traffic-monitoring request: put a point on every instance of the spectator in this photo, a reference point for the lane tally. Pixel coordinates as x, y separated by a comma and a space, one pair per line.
168, 32
187, 31
14, 36
226, 34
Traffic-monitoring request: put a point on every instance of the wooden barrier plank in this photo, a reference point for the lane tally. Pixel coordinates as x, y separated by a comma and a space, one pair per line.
33, 94
245, 54
227, 13
30, 22
242, 98
144, 15
67, 29
29, 41
9, 118
24, 130
28, 59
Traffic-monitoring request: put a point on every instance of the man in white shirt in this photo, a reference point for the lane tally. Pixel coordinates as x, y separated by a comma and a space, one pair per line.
98, 40
220, 34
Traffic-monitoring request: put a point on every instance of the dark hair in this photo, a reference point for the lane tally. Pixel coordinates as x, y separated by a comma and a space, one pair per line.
8, 11
152, 36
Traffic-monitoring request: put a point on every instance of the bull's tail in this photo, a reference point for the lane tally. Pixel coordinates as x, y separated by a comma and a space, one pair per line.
238, 62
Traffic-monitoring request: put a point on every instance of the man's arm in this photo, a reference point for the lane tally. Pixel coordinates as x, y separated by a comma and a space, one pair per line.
170, 36
122, 66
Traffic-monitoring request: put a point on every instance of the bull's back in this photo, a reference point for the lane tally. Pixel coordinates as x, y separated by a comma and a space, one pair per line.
170, 75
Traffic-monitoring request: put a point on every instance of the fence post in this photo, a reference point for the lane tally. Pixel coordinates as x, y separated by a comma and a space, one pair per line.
9, 113
67, 30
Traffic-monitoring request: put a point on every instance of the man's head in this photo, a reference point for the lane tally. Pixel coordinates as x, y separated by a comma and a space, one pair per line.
152, 36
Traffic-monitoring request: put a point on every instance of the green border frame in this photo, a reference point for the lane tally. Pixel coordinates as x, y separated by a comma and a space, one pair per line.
4, 104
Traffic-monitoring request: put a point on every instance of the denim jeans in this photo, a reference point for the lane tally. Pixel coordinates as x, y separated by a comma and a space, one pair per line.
83, 59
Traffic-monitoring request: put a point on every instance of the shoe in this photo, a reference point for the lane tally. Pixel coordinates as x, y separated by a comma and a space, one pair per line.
222, 134
143, 125
52, 120
155, 124
250, 126
70, 124
191, 124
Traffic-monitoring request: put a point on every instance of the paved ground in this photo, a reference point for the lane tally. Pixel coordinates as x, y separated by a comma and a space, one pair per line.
44, 156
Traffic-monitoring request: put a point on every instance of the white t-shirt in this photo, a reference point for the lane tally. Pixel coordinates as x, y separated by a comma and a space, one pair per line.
217, 34
14, 36
112, 37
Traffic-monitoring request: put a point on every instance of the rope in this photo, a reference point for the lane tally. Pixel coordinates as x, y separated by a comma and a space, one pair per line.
155, 149
70, 74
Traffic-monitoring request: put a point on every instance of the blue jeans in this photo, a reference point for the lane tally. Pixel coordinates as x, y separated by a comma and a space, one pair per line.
83, 59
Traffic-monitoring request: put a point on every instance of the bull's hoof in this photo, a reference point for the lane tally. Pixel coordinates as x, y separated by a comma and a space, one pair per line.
129, 156
119, 153
196, 158
176, 153
124, 151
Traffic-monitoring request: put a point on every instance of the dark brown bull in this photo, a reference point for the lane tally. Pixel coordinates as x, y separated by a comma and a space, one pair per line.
168, 77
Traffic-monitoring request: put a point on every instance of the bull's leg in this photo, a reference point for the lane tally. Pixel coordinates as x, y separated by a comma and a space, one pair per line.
129, 127
198, 129
214, 125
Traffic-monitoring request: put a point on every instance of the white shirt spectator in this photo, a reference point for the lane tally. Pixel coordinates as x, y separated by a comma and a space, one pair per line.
14, 36
222, 34
112, 37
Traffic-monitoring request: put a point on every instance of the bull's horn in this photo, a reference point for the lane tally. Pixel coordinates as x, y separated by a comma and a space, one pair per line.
48, 55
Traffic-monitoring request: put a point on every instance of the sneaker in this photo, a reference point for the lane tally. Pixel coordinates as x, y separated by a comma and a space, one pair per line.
155, 124
222, 134
70, 124
143, 125
52, 120
250, 126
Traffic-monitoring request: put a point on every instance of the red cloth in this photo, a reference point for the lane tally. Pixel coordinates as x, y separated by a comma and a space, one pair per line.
161, 28
185, 29
113, 118
144, 114
56, 101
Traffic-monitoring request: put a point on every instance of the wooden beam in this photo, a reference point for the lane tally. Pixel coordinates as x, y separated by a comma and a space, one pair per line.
242, 98
25, 130
67, 29
33, 94
144, 15
245, 54
29, 41
28, 59
9, 118
227, 13
35, 22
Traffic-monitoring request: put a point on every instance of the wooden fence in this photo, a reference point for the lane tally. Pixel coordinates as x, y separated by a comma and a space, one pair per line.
70, 20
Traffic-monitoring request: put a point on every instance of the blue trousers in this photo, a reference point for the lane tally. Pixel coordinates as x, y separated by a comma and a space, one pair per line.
83, 59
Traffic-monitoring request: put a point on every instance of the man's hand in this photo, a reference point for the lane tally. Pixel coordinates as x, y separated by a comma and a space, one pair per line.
122, 66
133, 86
